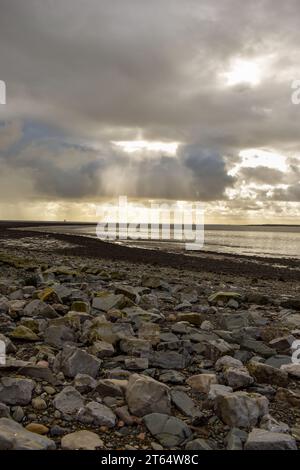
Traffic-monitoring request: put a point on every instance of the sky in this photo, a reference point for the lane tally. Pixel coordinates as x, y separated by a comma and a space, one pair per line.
162, 101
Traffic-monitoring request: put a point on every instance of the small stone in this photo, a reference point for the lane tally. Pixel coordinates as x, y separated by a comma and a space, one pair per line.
37, 428
18, 414
136, 363
102, 349
84, 383
39, 404
81, 440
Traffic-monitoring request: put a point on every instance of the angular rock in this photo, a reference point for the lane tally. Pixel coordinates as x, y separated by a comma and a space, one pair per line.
198, 444
184, 403
145, 395
202, 382
97, 414
23, 333
68, 401
14, 437
16, 391
240, 409
107, 301
72, 361
168, 430
58, 336
101, 349
259, 439
267, 374
39, 309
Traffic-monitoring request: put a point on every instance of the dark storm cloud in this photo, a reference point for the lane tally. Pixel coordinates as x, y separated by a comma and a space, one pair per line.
104, 70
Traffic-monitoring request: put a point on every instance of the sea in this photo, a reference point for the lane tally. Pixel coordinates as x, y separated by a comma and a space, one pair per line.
280, 241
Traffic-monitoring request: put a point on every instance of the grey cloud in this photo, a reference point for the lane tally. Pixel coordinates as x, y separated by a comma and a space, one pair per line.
262, 175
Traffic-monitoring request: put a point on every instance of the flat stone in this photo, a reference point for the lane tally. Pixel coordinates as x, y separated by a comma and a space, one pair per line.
258, 347
16, 391
184, 403
81, 440
259, 439
145, 395
168, 430
14, 437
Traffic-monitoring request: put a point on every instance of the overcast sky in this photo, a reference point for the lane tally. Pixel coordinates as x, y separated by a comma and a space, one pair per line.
168, 99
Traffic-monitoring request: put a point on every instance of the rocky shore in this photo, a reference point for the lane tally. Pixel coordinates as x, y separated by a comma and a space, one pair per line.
105, 353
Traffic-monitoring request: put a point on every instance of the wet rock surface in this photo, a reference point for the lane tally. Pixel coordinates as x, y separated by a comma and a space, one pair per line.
105, 354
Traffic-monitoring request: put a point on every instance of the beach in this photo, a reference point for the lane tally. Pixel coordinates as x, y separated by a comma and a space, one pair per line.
108, 346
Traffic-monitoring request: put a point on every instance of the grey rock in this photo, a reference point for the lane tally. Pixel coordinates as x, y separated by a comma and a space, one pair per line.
58, 336
172, 376
240, 409
258, 347
198, 444
72, 361
184, 403
38, 308
169, 360
84, 383
68, 401
14, 437
97, 414
168, 430
16, 391
259, 439
145, 395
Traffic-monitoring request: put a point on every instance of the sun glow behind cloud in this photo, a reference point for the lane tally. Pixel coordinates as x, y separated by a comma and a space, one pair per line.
131, 146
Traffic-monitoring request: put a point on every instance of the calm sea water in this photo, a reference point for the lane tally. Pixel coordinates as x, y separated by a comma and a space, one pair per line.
265, 241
